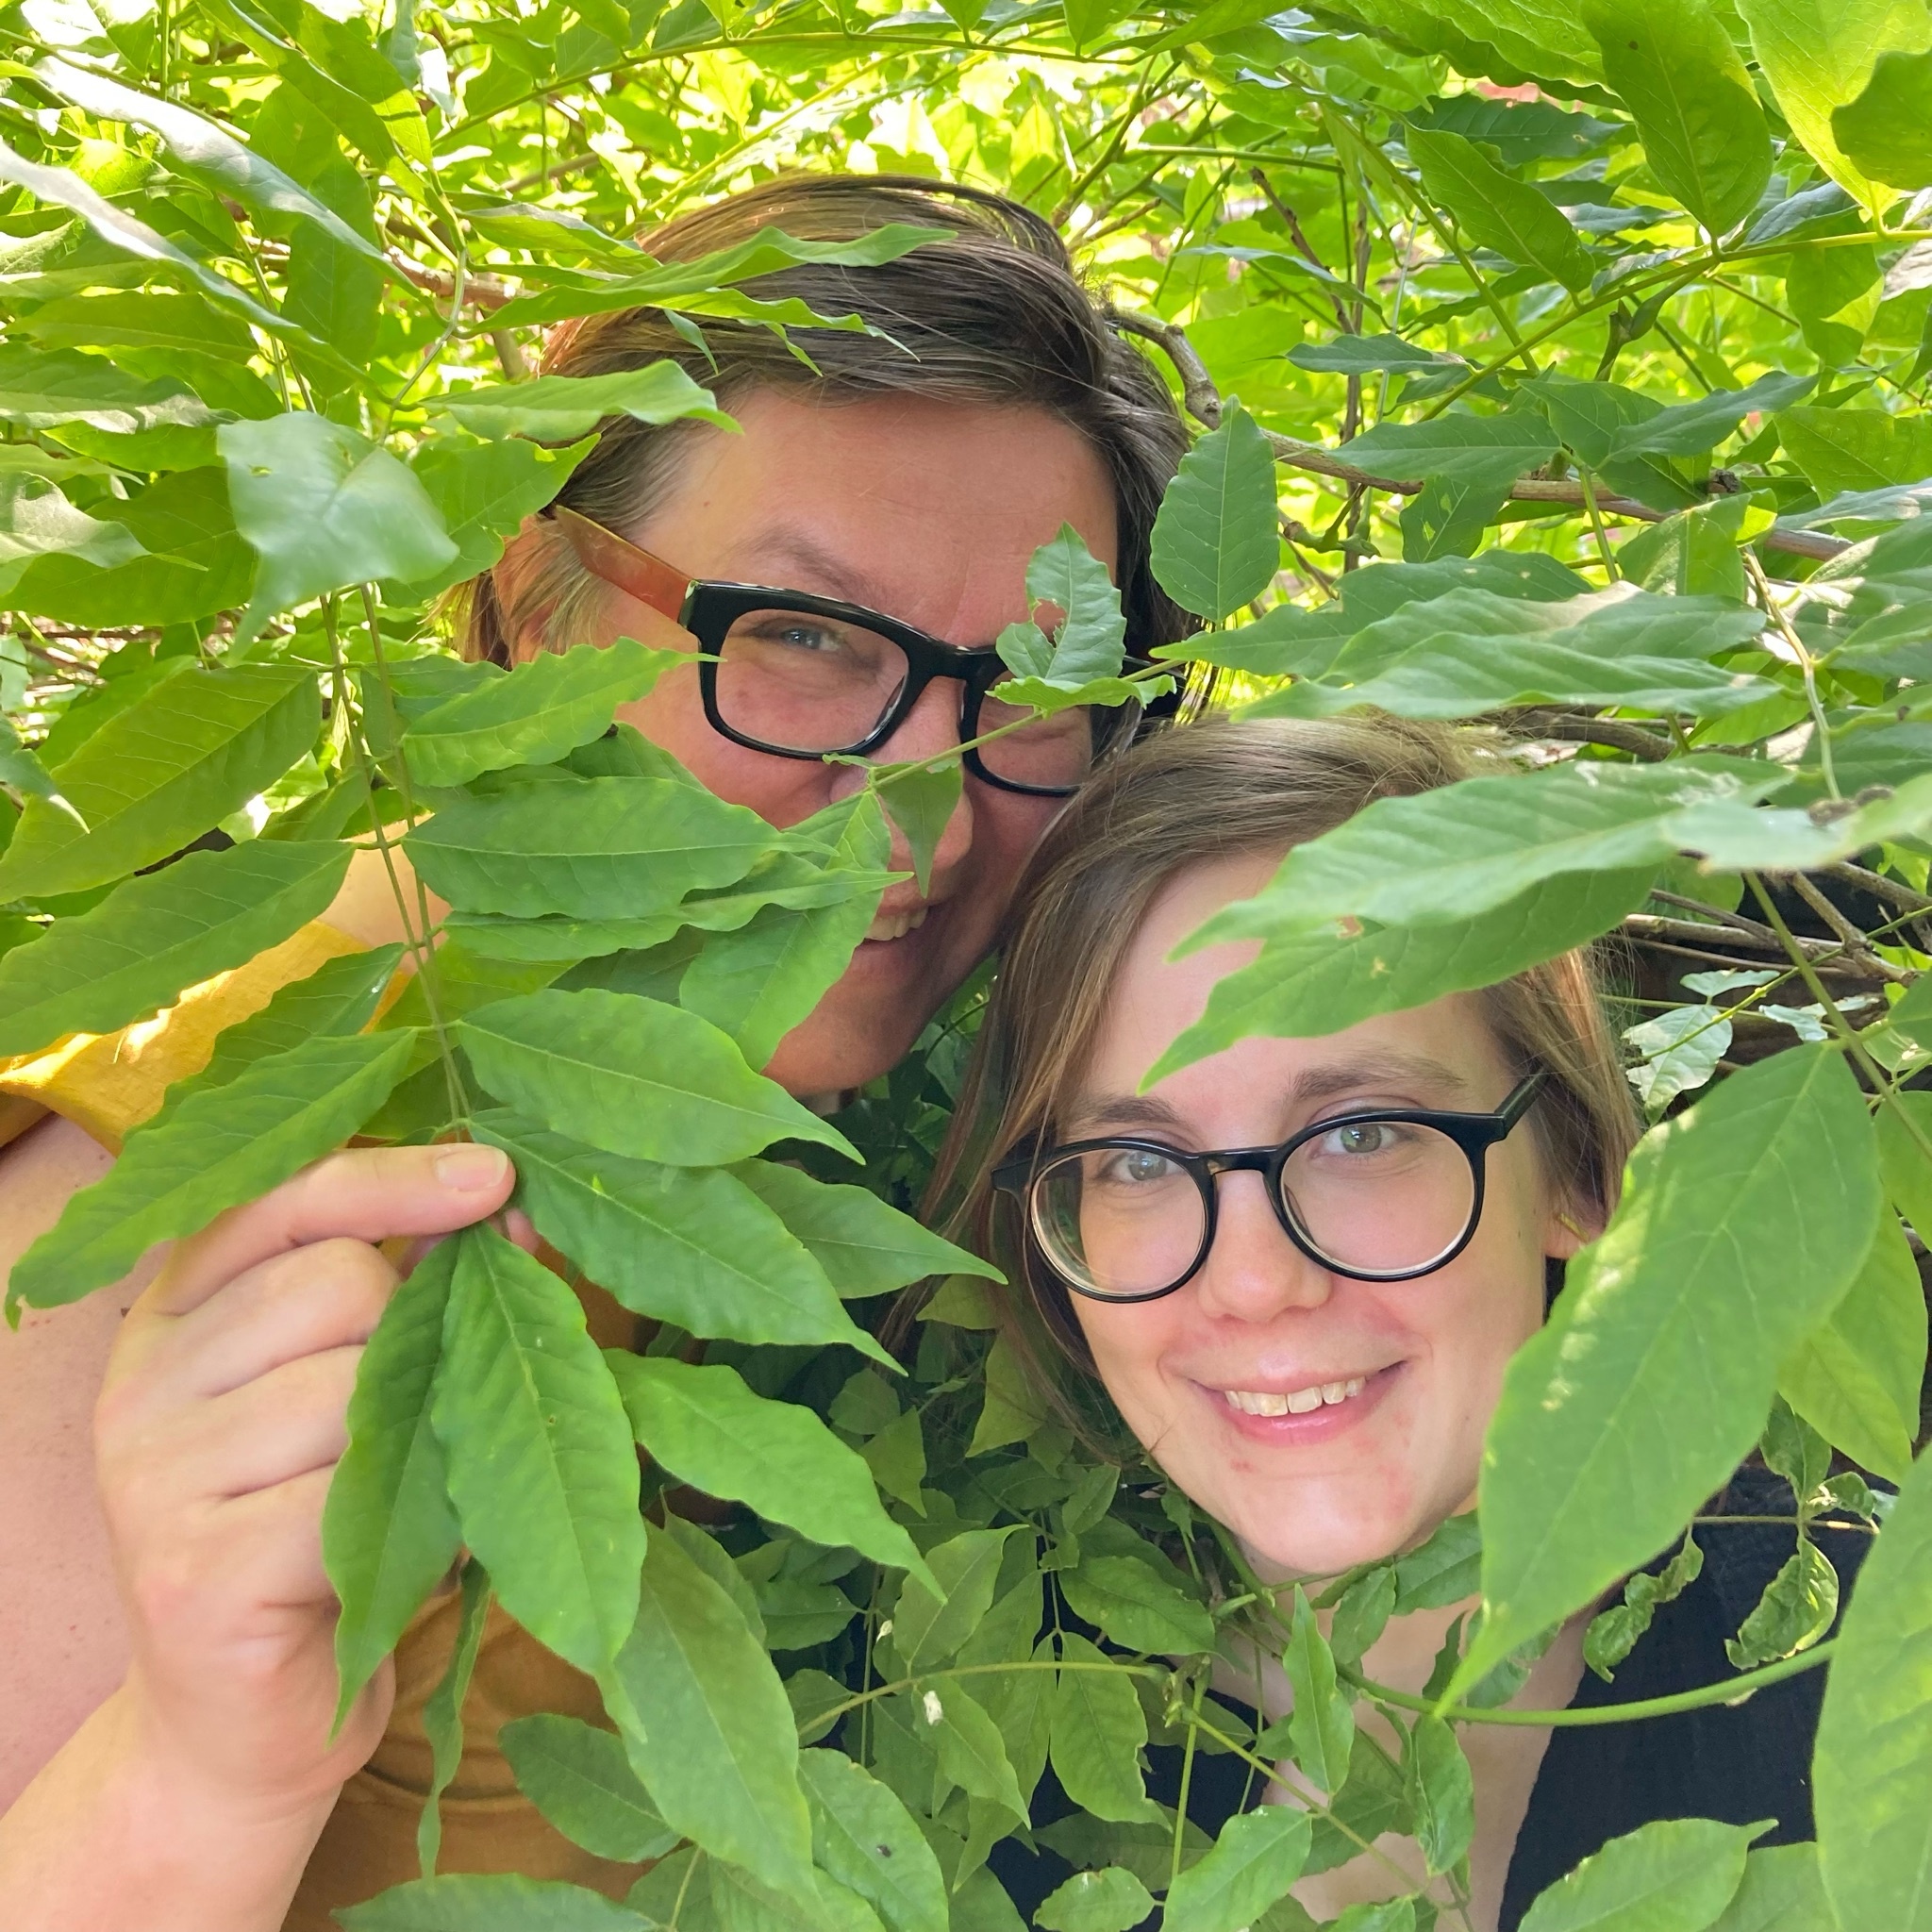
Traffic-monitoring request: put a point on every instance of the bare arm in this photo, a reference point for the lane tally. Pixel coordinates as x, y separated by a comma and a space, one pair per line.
191, 1798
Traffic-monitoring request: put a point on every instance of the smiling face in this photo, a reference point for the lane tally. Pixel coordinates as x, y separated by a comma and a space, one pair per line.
926, 510
1326, 1421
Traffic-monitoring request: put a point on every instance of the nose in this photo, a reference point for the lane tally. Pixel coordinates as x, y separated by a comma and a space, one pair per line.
931, 727
1254, 1271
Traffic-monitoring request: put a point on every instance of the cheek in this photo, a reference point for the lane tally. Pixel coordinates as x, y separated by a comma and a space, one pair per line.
1127, 1344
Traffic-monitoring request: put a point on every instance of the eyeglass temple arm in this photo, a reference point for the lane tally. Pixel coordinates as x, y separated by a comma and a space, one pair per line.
1518, 1103
621, 563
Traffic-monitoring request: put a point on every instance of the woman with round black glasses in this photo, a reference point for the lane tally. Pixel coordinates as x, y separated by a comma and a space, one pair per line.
1298, 1267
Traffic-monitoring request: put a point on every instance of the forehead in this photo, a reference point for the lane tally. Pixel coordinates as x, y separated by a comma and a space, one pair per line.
1154, 998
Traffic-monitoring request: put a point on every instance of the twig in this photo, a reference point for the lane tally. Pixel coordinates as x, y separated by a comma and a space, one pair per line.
1825, 954
1573, 727
543, 177
484, 290
1852, 936
510, 355
1304, 247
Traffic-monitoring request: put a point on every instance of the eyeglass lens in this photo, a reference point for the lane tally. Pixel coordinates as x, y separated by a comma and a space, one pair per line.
1370, 1197
801, 682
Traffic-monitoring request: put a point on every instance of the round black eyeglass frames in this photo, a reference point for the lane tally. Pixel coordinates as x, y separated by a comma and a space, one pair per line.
1387, 1194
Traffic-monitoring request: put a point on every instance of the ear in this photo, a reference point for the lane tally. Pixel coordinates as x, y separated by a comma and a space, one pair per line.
514, 574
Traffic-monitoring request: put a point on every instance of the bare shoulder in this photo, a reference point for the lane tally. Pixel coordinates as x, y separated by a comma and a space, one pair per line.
62, 1645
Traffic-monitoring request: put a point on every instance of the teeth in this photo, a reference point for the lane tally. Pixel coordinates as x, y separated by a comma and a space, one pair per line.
1297, 1401
895, 926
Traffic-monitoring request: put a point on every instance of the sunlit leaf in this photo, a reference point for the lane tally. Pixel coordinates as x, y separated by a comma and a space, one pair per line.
1496, 209
560, 407
1216, 546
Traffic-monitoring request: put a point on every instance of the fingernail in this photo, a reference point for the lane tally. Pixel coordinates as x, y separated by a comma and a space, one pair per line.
470, 1168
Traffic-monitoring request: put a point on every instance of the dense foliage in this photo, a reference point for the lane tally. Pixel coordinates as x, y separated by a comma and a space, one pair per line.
1579, 354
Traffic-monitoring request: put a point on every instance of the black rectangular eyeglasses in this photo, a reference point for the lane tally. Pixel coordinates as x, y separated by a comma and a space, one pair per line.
1387, 1194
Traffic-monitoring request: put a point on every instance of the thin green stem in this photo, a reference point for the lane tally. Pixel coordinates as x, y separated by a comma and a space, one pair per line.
1596, 523
1181, 1814
1702, 1698
1808, 665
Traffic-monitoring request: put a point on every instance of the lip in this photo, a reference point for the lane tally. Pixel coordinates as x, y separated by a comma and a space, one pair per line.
1297, 1431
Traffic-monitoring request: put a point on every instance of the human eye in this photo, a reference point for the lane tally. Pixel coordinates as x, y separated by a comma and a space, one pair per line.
1363, 1141
805, 635
1135, 1170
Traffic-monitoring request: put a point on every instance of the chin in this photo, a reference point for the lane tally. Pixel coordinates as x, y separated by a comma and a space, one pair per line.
1318, 1536
824, 1056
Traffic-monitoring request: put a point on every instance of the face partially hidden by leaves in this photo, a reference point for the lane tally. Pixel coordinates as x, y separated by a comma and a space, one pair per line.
1375, 1472
928, 511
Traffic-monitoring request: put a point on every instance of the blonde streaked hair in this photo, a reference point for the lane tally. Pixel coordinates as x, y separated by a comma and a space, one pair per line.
1191, 796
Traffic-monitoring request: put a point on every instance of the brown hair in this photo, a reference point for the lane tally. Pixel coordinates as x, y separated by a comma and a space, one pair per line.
992, 314
1189, 796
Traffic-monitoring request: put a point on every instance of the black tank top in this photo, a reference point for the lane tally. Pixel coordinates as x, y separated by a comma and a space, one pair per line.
1735, 1762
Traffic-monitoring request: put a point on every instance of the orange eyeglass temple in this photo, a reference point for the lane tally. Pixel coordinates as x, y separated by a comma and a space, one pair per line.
621, 563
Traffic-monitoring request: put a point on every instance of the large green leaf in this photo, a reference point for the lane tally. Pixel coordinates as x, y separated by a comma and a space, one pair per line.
594, 848
1883, 133
1442, 856
635, 1077
1110, 1900
1258, 1854
1857, 449
863, 1834
1818, 55
1781, 1891
323, 506
541, 1466
1135, 1604
941, 1608
708, 1429
1217, 543
580, 1778
557, 408
483, 491
194, 748
1871, 1772
1471, 449
1096, 1733
388, 1532
708, 1724
541, 710
1856, 1378
1743, 1223
220, 1149
683, 1244
1305, 985
37, 523
1675, 1875
865, 1246
40, 391
1496, 209
490, 1903
158, 934
1705, 136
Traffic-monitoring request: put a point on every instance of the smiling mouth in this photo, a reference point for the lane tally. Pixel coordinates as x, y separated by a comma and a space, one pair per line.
1295, 1401
887, 926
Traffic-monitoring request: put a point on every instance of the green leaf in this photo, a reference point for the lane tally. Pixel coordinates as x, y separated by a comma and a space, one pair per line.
635, 1077
558, 408
1444, 855
1112, 1900
187, 753
323, 506
1798, 1606
1704, 134
597, 848
1871, 1772
1217, 543
1614, 1633
41, 392
1819, 55
1393, 1915
1373, 354
689, 1245
1441, 1572
1321, 1725
920, 802
1441, 1793
1096, 1733
483, 491
581, 1780
1781, 1891
443, 1715
220, 1149
158, 934
201, 147
1883, 133
541, 1466
388, 1535
1089, 639
1855, 449
1447, 516
37, 522
490, 1904
1743, 1222
1692, 554
864, 1836
1496, 211
707, 1725
1258, 1854
1857, 1378
866, 1246
1471, 449
1361, 1614
971, 1751
939, 1610
708, 1429
1136, 1604
1679, 1051
1675, 1875
1689, 429
1304, 985
541, 710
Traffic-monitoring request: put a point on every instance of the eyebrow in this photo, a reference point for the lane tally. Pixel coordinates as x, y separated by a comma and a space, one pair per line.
826, 573
1101, 1113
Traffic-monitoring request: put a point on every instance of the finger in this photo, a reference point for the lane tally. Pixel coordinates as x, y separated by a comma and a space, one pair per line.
520, 1228
284, 1425
328, 1296
369, 1193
